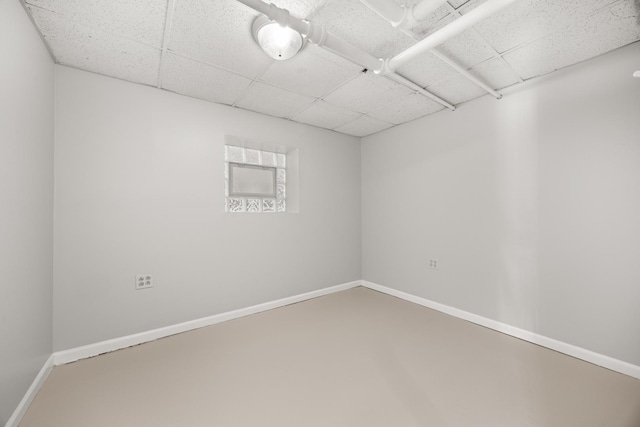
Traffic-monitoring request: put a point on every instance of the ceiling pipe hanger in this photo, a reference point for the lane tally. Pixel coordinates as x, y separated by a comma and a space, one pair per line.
442, 35
319, 36
406, 18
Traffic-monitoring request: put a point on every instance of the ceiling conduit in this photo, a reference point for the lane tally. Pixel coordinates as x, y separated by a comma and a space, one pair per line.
319, 36
402, 16
406, 18
442, 35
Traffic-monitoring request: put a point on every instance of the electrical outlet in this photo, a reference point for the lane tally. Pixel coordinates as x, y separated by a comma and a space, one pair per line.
144, 281
433, 264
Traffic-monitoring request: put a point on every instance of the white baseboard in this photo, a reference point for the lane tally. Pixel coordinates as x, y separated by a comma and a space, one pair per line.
83, 352
562, 347
17, 415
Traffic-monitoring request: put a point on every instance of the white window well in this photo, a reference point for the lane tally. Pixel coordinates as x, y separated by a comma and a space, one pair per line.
255, 180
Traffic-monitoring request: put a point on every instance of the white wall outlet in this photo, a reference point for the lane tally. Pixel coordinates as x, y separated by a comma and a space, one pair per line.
433, 264
144, 281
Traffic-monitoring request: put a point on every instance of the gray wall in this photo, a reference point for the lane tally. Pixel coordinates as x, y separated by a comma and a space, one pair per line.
26, 212
531, 205
140, 189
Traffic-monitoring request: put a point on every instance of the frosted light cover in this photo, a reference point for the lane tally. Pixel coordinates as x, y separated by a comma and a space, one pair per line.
279, 42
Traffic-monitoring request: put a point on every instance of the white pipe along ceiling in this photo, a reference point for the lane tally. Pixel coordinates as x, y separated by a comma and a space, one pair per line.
319, 36
406, 18
442, 35
402, 16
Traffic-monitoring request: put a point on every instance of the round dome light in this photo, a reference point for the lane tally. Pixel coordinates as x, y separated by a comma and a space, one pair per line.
277, 41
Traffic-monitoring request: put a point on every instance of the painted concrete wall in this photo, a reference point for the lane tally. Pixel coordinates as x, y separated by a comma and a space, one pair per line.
26, 212
140, 189
530, 205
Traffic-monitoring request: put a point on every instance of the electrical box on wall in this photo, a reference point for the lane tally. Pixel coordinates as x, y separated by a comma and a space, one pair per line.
144, 281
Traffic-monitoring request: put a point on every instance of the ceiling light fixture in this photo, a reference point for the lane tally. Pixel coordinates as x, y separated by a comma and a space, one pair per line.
277, 41
636, 74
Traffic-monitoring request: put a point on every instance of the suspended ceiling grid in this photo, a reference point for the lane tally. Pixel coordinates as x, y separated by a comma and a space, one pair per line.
204, 49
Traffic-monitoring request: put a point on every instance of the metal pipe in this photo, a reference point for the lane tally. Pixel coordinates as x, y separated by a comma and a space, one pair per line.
319, 36
453, 29
388, 10
316, 34
397, 16
419, 89
401, 16
423, 9
465, 73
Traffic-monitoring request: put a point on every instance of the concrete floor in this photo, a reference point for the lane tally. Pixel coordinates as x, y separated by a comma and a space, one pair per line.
354, 358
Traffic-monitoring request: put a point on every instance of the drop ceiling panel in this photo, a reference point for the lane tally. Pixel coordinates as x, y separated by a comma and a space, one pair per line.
457, 89
94, 50
528, 20
325, 115
495, 73
219, 33
367, 92
364, 126
313, 72
273, 101
298, 8
426, 70
467, 49
431, 22
406, 109
609, 29
212, 55
362, 27
457, 3
141, 20
188, 77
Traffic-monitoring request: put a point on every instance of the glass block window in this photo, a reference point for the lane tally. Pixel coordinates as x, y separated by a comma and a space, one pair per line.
241, 166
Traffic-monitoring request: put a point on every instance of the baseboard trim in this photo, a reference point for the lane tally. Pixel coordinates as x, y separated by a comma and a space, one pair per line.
83, 352
562, 347
28, 397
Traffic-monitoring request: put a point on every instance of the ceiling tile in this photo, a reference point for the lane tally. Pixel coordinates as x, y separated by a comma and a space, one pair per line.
364, 126
408, 108
141, 20
97, 51
457, 3
609, 29
188, 77
528, 20
426, 70
298, 8
313, 72
325, 115
495, 73
457, 90
467, 48
428, 24
367, 92
273, 101
362, 27
219, 33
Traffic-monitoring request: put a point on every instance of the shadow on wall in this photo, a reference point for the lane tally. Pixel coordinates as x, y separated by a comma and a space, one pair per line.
637, 5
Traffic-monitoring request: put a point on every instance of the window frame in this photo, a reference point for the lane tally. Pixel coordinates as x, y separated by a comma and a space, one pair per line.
274, 174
